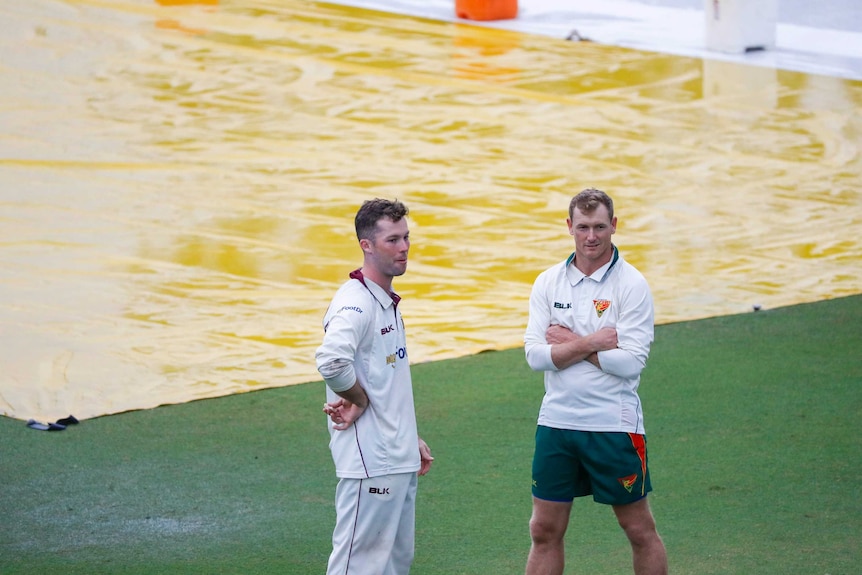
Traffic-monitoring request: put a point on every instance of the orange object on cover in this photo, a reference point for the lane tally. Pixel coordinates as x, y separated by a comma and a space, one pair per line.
486, 9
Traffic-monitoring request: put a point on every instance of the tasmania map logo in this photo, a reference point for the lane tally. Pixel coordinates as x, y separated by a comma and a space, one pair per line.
601, 305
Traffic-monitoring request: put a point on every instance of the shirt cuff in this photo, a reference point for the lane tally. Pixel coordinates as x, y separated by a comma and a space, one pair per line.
341, 379
539, 357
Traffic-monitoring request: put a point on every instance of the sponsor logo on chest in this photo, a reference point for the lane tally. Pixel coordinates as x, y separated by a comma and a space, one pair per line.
401, 353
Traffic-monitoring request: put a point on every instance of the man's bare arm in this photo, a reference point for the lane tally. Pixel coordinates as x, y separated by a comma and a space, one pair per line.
568, 348
352, 404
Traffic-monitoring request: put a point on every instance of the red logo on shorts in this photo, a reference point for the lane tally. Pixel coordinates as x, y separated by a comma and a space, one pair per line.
628, 482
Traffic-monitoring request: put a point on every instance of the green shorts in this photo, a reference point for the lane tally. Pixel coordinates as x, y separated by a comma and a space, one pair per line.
612, 467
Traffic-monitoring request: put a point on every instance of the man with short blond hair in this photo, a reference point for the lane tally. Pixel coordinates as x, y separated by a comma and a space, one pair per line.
590, 329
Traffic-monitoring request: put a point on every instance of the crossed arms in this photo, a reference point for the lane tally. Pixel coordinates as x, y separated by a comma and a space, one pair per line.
568, 348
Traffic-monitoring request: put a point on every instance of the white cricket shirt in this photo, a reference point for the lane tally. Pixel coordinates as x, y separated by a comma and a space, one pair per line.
583, 397
364, 339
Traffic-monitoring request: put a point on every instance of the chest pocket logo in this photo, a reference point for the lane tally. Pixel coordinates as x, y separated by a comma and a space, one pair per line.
601, 305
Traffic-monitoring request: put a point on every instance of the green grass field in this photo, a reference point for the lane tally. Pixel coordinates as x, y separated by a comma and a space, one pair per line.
751, 421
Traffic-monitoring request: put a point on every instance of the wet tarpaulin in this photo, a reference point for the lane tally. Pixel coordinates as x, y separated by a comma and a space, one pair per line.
178, 184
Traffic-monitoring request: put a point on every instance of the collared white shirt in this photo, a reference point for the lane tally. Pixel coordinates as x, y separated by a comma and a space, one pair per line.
364, 333
582, 396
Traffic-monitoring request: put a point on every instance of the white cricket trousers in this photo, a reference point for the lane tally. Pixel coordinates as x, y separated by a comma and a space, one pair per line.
374, 526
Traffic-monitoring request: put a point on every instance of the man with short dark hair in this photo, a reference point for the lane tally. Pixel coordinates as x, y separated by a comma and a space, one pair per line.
372, 421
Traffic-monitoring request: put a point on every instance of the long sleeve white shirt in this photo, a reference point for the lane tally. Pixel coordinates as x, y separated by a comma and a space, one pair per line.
364, 341
582, 396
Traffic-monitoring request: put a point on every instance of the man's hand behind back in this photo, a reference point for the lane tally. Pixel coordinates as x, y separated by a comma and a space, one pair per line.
343, 413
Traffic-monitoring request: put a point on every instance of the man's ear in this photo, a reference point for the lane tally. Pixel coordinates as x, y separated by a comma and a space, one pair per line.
365, 245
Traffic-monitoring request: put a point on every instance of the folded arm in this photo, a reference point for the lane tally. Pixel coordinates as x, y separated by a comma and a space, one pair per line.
568, 348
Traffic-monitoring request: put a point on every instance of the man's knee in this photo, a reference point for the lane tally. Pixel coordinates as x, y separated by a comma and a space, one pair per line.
641, 535
638, 523
545, 529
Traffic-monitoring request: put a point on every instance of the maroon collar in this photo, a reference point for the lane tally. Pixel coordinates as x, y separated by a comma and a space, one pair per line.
357, 275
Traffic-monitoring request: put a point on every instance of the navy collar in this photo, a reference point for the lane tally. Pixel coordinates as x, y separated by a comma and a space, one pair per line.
604, 270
